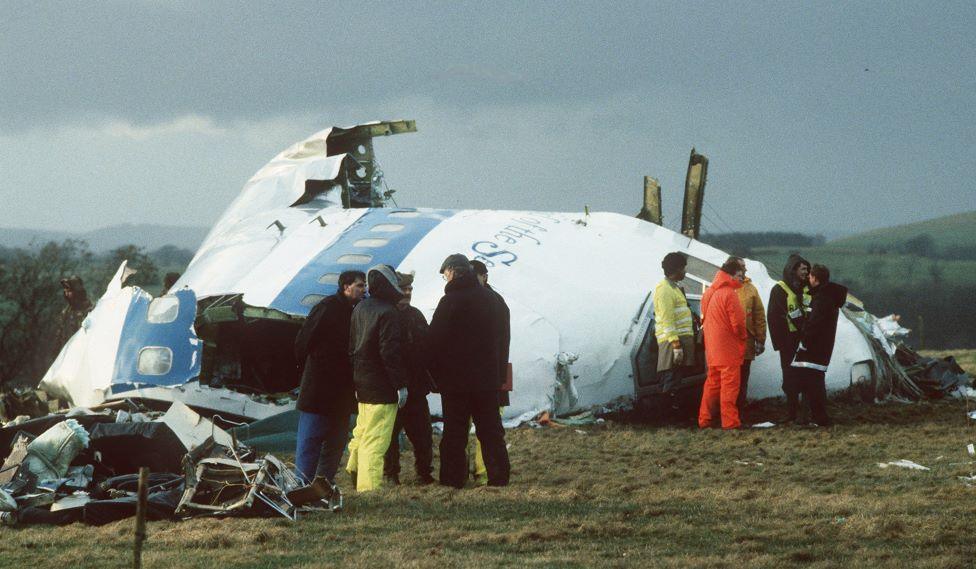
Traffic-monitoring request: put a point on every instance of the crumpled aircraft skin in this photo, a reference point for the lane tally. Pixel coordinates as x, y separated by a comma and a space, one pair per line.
575, 283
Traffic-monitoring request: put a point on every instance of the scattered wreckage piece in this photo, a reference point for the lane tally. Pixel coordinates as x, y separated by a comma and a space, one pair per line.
223, 486
895, 370
82, 468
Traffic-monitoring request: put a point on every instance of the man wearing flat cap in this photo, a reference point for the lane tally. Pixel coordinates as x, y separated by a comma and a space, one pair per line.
467, 365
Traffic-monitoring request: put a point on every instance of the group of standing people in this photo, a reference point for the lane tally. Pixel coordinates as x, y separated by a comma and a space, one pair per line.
366, 351
802, 323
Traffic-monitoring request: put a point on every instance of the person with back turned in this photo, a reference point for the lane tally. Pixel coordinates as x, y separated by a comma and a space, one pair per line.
817, 341
467, 367
724, 325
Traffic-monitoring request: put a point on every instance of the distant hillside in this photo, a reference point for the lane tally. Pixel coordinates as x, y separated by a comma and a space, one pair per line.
150, 237
951, 237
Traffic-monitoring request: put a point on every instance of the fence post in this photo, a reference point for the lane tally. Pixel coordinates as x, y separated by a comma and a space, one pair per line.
141, 505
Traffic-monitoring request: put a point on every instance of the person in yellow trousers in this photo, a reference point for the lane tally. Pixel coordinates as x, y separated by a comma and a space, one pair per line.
379, 374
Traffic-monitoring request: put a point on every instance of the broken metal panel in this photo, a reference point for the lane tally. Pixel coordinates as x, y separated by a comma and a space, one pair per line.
332, 157
651, 210
691, 212
229, 404
223, 486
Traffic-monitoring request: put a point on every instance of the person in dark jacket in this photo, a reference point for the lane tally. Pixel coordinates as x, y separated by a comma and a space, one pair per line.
74, 312
467, 368
326, 398
789, 303
379, 373
480, 472
414, 417
817, 341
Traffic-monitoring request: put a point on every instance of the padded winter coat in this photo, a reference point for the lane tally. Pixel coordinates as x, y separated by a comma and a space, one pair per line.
374, 342
323, 346
724, 322
464, 338
820, 329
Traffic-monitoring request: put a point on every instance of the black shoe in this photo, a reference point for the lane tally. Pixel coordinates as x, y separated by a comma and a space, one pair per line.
391, 479
426, 479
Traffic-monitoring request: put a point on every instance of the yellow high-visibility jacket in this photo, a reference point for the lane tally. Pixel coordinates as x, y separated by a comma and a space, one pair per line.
672, 317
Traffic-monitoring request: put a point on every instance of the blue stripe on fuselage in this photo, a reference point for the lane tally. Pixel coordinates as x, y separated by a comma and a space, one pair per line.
178, 336
399, 245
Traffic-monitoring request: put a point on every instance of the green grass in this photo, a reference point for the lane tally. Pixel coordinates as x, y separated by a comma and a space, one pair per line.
860, 269
617, 495
949, 231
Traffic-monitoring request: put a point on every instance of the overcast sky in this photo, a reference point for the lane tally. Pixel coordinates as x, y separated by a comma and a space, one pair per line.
819, 118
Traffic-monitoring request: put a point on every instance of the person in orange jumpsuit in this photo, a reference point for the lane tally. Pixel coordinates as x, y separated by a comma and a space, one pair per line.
724, 324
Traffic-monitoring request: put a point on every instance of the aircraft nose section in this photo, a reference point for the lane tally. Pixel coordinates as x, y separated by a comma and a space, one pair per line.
158, 344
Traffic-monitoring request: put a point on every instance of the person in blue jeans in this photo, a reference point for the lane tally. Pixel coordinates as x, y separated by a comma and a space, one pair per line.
327, 397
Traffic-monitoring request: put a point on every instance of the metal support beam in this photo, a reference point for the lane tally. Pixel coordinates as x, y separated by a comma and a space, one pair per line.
651, 210
694, 195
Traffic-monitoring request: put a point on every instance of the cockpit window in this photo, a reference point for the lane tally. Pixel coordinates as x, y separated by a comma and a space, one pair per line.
163, 310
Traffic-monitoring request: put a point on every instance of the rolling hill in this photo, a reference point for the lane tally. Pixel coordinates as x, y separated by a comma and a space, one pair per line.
107, 238
954, 233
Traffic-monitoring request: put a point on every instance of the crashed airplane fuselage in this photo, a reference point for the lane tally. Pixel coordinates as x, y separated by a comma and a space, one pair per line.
578, 286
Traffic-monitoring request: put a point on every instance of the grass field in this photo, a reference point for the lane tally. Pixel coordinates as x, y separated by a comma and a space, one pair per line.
616, 495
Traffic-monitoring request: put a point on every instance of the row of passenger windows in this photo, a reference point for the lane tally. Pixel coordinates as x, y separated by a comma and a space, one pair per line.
362, 259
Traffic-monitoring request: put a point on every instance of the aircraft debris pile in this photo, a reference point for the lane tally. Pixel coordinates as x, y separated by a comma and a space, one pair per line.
899, 371
82, 466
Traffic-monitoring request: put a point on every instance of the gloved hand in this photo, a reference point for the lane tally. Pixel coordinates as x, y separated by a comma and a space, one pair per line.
679, 356
401, 397
760, 347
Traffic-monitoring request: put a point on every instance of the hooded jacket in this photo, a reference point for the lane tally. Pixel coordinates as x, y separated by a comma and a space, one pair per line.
374, 340
464, 348
322, 346
755, 317
724, 322
820, 328
779, 329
